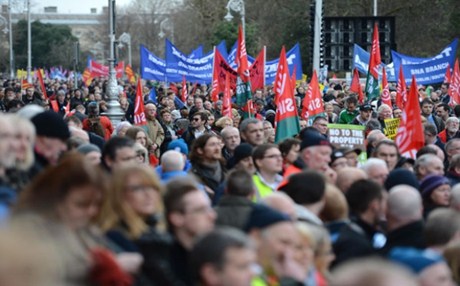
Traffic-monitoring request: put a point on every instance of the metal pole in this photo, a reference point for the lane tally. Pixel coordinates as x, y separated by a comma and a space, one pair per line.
243, 18
375, 8
29, 44
10, 27
115, 113
129, 52
317, 34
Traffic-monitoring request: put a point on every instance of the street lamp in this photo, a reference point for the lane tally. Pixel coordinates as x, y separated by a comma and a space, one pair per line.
126, 38
8, 30
114, 112
171, 28
237, 6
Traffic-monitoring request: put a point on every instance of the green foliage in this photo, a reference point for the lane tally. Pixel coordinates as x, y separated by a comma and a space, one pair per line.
52, 45
228, 31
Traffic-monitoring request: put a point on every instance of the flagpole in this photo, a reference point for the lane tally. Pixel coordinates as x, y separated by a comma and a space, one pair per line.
10, 27
265, 60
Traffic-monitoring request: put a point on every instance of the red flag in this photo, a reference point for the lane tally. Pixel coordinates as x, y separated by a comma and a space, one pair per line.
401, 90
54, 105
184, 91
356, 86
312, 102
257, 71
375, 59
386, 99
410, 136
454, 87
42, 83
119, 68
139, 115
98, 69
447, 76
287, 122
241, 58
227, 103
220, 71
173, 88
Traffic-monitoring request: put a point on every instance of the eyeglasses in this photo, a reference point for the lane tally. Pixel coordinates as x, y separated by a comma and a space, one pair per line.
196, 119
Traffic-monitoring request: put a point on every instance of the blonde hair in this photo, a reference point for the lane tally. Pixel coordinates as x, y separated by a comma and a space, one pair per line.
452, 256
222, 121
115, 210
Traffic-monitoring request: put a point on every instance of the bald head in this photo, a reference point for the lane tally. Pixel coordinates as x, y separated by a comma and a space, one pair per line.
282, 203
404, 206
172, 161
347, 176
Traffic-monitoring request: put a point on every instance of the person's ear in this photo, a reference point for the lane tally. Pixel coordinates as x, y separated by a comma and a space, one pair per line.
210, 275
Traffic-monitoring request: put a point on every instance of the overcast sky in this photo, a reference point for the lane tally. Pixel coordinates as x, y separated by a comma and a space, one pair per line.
66, 6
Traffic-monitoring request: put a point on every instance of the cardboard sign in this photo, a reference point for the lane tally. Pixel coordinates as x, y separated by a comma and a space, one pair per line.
346, 135
391, 128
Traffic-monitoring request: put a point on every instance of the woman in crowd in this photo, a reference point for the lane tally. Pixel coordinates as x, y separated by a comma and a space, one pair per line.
289, 148
121, 128
436, 192
59, 206
139, 135
131, 217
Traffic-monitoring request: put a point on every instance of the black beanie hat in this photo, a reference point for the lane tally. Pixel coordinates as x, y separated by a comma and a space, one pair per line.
401, 176
51, 124
262, 216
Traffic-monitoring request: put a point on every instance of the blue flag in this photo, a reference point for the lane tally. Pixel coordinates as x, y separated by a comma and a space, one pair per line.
153, 95
178, 102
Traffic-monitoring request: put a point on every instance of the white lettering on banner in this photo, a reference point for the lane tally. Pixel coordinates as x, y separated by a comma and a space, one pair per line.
435, 68
156, 61
444, 53
197, 61
152, 71
286, 105
346, 140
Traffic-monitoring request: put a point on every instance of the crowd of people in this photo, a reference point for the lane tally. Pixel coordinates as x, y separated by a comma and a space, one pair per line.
197, 198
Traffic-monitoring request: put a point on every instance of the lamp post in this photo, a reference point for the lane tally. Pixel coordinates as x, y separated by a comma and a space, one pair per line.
237, 6
114, 112
29, 44
10, 28
126, 38
171, 28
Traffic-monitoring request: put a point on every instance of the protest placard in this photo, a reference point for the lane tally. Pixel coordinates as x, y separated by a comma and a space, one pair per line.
391, 128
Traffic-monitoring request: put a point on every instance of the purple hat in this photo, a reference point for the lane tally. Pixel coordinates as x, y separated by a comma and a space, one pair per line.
432, 182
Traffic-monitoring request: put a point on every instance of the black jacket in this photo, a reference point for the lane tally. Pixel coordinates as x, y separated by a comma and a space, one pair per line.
354, 240
233, 211
410, 235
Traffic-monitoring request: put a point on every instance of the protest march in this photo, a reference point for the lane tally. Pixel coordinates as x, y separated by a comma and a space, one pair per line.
224, 168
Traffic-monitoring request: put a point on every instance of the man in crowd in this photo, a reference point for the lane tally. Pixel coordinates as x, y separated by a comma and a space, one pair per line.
376, 170
428, 164
347, 115
189, 215
364, 116
269, 163
320, 124
451, 130
252, 131
231, 137
118, 151
387, 150
223, 257
197, 128
359, 239
427, 112
154, 129
52, 133
404, 219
